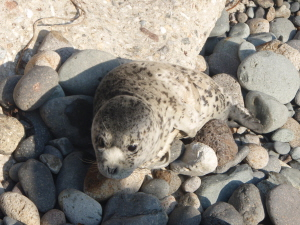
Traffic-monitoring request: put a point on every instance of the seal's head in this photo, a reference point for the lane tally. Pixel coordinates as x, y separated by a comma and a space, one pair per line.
125, 134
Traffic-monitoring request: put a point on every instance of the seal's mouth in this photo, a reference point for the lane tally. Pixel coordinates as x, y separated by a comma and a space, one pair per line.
114, 172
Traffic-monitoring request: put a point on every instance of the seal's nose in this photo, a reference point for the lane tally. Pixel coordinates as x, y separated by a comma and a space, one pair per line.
112, 170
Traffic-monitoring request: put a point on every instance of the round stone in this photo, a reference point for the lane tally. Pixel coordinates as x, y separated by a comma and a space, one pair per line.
295, 154
296, 21
52, 162
172, 179
260, 12
79, 207
184, 215
282, 148
260, 38
53, 216
270, 14
283, 135
191, 184
258, 156
283, 28
295, 127
82, 72
49, 149
240, 30
295, 6
241, 17
156, 187
258, 25
20, 208
222, 62
7, 87
11, 133
13, 171
221, 26
230, 45
270, 73
283, 11
168, 203
190, 199
245, 49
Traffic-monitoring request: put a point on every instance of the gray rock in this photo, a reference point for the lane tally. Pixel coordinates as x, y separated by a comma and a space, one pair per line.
229, 46
265, 3
239, 30
184, 215
49, 149
191, 184
35, 88
296, 21
134, 209
295, 154
10, 221
273, 165
157, 187
275, 114
258, 25
260, 12
261, 38
246, 200
282, 202
292, 175
221, 186
7, 87
222, 62
282, 148
177, 148
297, 36
52, 162
80, 208
221, 213
72, 173
295, 164
250, 12
295, 6
283, 135
38, 184
284, 28
221, 26
63, 144
13, 172
168, 203
241, 17
57, 92
190, 199
258, 176
83, 71
270, 73
245, 49
210, 45
290, 109
75, 112
53, 216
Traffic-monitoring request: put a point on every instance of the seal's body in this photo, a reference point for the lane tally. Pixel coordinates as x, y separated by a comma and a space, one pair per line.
140, 107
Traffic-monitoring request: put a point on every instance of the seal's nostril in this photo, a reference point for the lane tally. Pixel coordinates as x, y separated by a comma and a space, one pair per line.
113, 170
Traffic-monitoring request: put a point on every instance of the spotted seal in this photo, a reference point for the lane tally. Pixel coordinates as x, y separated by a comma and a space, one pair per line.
140, 107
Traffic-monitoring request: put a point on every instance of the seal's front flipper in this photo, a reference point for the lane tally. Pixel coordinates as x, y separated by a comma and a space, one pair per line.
241, 115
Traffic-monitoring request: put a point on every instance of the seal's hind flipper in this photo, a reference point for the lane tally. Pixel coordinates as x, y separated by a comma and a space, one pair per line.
241, 115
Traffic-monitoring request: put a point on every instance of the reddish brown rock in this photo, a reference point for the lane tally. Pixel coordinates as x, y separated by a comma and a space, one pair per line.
217, 135
171, 177
295, 127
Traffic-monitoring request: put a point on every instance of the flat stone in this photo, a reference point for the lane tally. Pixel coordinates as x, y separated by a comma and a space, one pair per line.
221, 186
281, 204
275, 114
258, 25
284, 28
270, 73
184, 215
137, 208
261, 38
80, 208
258, 156
20, 208
83, 71
35, 88
246, 200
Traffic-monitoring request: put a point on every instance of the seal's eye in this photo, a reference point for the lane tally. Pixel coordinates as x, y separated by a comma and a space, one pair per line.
132, 147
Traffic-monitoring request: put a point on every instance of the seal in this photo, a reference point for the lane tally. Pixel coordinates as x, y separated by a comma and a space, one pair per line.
141, 107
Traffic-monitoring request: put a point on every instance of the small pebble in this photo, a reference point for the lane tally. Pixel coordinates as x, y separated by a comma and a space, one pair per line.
258, 25
191, 184
282, 147
168, 204
63, 144
258, 156
53, 217
242, 17
295, 127
239, 30
156, 187
222, 62
260, 12
52, 162
283, 135
284, 28
190, 199
13, 172
246, 48
10, 221
295, 6
270, 14
49, 149
265, 3
295, 154
292, 175
250, 12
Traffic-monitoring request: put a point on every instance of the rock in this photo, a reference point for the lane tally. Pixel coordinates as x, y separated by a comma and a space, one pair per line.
168, 204
55, 41
250, 138
210, 45
295, 153
191, 184
102, 188
157, 187
282, 12
13, 172
53, 217
270, 14
75, 112
221, 26
218, 136
273, 165
258, 25
259, 78
10, 221
19, 208
296, 21
38, 184
260, 38
295, 127
239, 157
137, 208
177, 148
221, 186
57, 92
18, 189
241, 30
282, 147
190, 199
246, 200
63, 145
281, 204
79, 208
43, 58
52, 162
275, 114
7, 87
35, 88
184, 215
198, 160
49, 149
72, 173
241, 17
260, 12
265, 3
258, 176
11, 133
82, 72
278, 3
229, 46
292, 175
222, 62
246, 48
295, 6
284, 28
283, 135
282, 49
250, 12
221, 211
170, 177
295, 164
258, 156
